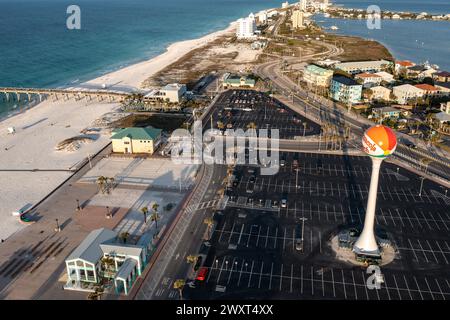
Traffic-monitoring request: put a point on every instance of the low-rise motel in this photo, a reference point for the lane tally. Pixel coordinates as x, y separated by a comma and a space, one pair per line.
317, 76
236, 81
135, 140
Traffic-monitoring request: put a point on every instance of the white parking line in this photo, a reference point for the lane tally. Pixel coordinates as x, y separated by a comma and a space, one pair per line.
260, 274
429, 289
281, 276
343, 283
407, 287
418, 288
396, 285
354, 285
270, 280
301, 279
332, 280
292, 275
251, 272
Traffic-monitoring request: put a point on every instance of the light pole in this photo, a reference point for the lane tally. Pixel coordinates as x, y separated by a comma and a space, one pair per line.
89, 159
296, 178
421, 186
58, 227
378, 142
78, 205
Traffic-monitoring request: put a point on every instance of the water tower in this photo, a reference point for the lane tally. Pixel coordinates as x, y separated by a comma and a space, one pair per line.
378, 142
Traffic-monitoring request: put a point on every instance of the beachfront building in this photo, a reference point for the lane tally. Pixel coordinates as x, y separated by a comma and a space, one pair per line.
368, 79
386, 113
345, 90
401, 65
236, 81
414, 71
444, 116
317, 76
246, 27
441, 76
297, 19
173, 93
284, 5
101, 255
363, 66
303, 5
135, 140
444, 88
428, 90
262, 17
380, 93
385, 76
406, 93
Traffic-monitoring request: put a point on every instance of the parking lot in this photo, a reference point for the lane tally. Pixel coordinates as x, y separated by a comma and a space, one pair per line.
254, 247
236, 109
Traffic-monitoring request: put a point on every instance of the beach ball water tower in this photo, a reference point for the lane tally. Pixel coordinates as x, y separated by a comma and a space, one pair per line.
379, 142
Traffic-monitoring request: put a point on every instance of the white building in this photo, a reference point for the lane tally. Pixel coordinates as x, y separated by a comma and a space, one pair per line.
297, 19
284, 5
406, 93
246, 27
303, 5
368, 79
385, 76
380, 93
100, 255
363, 66
173, 92
444, 115
262, 17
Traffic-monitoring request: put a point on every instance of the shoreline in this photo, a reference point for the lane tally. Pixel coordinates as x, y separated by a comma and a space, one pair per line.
30, 152
135, 74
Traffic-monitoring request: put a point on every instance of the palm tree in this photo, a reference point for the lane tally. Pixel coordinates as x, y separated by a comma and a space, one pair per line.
209, 221
179, 285
191, 259
101, 182
124, 236
107, 262
155, 216
251, 125
220, 125
144, 211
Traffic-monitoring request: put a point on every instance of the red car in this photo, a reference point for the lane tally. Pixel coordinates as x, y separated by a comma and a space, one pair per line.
201, 275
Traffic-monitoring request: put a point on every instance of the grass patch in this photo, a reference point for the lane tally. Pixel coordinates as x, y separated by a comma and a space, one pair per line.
167, 122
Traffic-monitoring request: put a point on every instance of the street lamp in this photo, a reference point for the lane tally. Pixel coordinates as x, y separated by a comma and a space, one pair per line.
421, 185
58, 227
78, 205
108, 215
296, 178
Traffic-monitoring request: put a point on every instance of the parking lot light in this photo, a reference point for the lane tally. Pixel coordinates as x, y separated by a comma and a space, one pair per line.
421, 186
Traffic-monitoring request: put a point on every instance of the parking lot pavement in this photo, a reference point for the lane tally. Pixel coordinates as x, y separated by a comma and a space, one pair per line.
238, 108
262, 248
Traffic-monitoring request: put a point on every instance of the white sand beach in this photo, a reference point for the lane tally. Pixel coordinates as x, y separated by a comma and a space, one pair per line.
41, 128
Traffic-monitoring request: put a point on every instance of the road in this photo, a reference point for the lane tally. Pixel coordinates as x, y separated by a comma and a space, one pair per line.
322, 110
